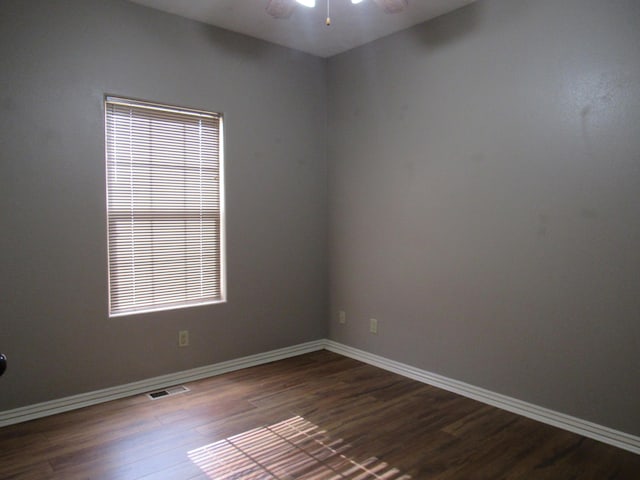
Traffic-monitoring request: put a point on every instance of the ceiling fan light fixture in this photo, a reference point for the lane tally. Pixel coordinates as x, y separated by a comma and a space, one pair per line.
393, 6
281, 8
284, 8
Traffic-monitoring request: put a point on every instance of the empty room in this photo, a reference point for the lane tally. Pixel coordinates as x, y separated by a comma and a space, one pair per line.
298, 239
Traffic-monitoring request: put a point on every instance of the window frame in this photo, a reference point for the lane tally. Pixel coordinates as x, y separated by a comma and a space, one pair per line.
219, 235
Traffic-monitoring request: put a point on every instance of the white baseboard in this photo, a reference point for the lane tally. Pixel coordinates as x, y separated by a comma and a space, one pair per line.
541, 414
31, 412
544, 415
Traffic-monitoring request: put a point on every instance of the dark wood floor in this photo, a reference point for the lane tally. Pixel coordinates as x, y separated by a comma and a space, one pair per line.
317, 416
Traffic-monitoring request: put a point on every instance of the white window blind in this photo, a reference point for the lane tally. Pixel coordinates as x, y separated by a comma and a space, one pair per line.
164, 206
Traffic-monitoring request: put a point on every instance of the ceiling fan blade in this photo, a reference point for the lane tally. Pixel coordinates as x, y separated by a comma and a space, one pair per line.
281, 8
392, 6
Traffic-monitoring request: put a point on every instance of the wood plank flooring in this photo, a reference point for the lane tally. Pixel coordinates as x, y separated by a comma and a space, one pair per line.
317, 416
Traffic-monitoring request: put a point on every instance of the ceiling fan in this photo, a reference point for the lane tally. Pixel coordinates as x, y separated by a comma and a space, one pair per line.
284, 8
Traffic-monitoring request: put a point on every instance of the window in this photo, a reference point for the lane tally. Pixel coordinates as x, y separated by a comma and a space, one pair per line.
164, 206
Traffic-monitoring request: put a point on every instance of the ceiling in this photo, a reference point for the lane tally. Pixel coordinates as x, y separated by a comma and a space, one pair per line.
305, 30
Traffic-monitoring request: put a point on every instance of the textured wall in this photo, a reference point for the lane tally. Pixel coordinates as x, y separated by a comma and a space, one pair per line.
58, 59
484, 173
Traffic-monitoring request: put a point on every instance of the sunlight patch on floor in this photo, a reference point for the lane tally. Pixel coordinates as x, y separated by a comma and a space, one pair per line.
292, 449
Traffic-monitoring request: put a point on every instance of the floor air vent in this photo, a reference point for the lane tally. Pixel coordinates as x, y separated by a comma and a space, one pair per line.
167, 392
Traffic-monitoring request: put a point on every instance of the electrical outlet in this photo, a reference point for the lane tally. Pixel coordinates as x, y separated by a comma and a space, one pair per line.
342, 317
183, 338
373, 325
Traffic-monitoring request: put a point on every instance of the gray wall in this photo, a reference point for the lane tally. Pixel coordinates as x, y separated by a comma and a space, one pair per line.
484, 173
57, 60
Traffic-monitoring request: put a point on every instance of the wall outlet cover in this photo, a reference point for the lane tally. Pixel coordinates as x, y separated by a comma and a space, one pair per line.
373, 325
183, 338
